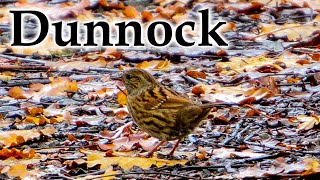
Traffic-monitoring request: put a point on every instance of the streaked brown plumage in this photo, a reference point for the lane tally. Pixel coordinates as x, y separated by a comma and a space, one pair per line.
160, 111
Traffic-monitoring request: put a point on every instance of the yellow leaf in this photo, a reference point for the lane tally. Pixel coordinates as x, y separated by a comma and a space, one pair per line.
4, 77
312, 166
73, 86
143, 65
36, 120
55, 119
128, 162
18, 170
96, 157
162, 65
122, 97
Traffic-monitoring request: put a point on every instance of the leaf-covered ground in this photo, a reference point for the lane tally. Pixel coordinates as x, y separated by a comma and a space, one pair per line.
63, 111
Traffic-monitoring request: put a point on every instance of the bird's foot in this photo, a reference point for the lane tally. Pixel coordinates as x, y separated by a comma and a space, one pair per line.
154, 149
145, 154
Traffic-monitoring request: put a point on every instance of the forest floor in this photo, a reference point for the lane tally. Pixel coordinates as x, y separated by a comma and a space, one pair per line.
63, 111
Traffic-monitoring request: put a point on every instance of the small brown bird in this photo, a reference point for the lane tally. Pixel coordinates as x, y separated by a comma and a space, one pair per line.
160, 111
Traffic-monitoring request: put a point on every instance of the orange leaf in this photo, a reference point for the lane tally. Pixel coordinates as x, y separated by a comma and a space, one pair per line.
198, 90
196, 74
72, 138
130, 12
293, 80
303, 61
16, 153
35, 111
116, 54
121, 114
315, 56
146, 16
17, 93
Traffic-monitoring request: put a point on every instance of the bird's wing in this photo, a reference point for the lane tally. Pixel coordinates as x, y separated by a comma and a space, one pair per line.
159, 97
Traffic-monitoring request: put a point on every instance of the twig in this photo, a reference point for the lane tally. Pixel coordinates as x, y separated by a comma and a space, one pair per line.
24, 68
156, 173
23, 59
265, 146
121, 90
103, 69
92, 173
282, 29
241, 132
306, 50
12, 83
190, 80
258, 112
234, 133
252, 134
311, 152
212, 167
247, 160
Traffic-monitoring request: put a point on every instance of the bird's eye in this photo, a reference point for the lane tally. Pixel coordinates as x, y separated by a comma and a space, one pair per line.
129, 76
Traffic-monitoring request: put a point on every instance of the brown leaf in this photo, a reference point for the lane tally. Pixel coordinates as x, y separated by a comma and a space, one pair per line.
196, 74
197, 90
269, 68
273, 86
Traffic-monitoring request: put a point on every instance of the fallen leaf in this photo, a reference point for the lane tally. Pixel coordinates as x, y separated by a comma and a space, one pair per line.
308, 122
196, 74
18, 170
122, 97
162, 65
146, 16
17, 93
94, 158
130, 12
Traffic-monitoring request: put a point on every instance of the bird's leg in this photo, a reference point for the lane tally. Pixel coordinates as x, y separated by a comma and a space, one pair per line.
174, 147
154, 149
